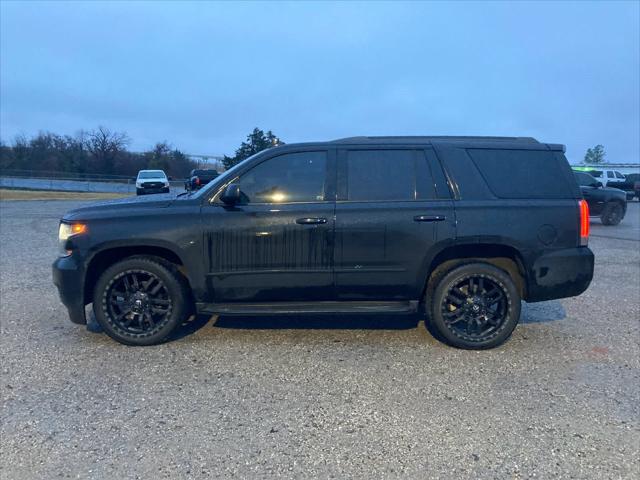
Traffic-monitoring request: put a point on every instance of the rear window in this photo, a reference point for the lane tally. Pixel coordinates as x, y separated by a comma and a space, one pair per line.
522, 173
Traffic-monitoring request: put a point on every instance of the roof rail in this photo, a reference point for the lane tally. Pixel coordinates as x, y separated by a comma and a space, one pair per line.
412, 139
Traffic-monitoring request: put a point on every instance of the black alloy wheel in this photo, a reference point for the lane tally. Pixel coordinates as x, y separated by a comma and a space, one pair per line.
474, 306
138, 302
141, 300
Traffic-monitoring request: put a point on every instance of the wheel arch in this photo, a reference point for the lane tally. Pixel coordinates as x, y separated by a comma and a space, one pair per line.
505, 257
106, 257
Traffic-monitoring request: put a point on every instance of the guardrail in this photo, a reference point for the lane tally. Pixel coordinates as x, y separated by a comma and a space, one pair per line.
74, 184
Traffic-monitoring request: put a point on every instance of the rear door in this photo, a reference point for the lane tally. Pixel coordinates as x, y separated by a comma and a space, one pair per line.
393, 206
277, 244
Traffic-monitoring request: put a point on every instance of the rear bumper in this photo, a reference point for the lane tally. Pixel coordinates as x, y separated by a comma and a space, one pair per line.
68, 278
559, 274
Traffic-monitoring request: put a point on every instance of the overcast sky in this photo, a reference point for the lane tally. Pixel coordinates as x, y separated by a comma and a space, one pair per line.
202, 75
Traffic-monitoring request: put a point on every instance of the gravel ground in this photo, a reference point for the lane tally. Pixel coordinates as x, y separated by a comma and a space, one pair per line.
354, 397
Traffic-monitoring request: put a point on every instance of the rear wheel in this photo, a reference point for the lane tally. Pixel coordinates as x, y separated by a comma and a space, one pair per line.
475, 306
612, 214
140, 300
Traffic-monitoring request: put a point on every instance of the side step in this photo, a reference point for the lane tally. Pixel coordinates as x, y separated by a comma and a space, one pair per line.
280, 308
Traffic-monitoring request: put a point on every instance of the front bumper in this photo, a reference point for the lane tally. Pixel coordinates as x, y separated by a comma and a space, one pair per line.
68, 278
559, 274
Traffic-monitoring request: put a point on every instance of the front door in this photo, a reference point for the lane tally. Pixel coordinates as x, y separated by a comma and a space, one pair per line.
276, 245
393, 206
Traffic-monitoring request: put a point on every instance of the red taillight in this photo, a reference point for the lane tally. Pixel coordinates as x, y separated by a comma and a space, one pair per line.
197, 180
584, 222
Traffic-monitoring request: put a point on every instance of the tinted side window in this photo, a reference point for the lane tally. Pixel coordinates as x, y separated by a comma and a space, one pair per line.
584, 179
522, 173
609, 174
619, 175
380, 175
292, 177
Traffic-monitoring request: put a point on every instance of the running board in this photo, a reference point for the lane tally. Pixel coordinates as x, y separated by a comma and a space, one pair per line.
280, 308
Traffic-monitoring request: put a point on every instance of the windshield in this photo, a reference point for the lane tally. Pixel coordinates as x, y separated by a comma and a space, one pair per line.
223, 177
152, 174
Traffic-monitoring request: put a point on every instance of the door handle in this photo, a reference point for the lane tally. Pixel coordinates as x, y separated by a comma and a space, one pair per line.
429, 218
311, 220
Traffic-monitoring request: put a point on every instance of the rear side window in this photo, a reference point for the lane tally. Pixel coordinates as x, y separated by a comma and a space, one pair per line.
609, 174
584, 179
522, 173
380, 175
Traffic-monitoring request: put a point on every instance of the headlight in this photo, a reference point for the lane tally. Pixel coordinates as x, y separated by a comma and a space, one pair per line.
138, 184
166, 184
66, 231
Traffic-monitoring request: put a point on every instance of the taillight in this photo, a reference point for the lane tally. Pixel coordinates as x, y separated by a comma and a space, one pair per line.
584, 222
197, 180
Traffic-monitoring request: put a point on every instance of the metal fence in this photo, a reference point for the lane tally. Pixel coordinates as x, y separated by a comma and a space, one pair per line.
77, 182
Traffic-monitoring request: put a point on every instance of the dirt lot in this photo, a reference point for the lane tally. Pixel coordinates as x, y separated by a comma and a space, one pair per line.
343, 397
11, 194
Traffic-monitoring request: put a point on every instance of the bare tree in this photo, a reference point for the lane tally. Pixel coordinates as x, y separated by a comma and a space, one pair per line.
105, 146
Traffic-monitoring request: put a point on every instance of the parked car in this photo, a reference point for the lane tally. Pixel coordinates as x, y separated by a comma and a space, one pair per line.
151, 181
631, 185
450, 227
199, 178
606, 176
610, 204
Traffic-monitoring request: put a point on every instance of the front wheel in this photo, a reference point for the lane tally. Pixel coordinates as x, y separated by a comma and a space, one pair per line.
140, 300
475, 306
612, 214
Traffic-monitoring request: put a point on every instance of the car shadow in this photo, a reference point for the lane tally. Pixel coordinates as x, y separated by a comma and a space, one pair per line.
542, 312
319, 322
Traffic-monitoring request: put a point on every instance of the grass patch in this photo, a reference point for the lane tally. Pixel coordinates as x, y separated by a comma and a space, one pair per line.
12, 194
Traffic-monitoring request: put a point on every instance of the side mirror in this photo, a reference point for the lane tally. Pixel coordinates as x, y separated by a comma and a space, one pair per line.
231, 194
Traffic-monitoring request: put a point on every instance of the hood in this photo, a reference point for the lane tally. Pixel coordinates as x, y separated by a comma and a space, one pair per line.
120, 206
615, 191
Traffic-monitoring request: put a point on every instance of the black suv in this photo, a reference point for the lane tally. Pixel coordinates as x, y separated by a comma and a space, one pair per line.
610, 204
439, 225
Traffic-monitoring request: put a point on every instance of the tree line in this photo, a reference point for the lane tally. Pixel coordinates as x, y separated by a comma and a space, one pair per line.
99, 151
105, 152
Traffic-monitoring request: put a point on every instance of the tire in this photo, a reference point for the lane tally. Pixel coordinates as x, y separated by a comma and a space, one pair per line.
613, 214
474, 306
141, 300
